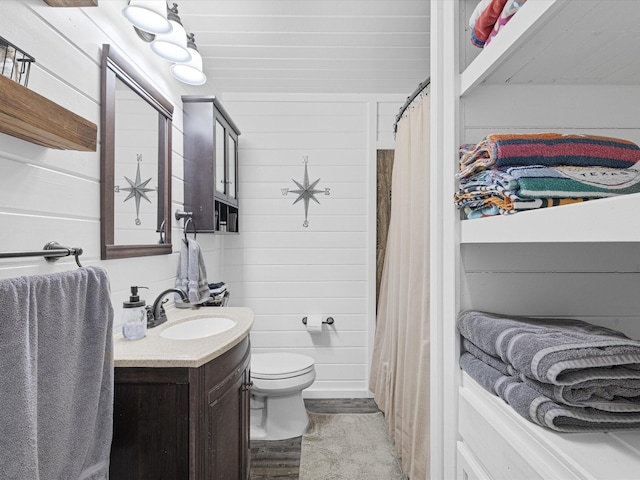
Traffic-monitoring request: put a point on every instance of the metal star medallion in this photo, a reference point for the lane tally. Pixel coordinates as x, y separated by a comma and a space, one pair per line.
138, 190
306, 192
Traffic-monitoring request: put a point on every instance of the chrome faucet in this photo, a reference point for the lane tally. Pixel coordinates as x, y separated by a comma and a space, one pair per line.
156, 314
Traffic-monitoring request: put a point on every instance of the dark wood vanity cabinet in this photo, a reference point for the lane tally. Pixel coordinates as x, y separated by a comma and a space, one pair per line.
210, 165
183, 423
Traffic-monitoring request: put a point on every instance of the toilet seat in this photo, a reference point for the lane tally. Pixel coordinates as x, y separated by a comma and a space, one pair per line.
278, 366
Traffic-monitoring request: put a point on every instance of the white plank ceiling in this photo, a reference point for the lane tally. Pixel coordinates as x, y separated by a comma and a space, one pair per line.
311, 46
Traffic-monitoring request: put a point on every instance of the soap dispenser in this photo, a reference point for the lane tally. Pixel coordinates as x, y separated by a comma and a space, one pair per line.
134, 315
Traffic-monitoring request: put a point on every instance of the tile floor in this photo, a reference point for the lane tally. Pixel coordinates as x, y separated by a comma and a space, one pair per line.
280, 459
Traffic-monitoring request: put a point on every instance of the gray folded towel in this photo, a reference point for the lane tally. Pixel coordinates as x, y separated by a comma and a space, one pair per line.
619, 394
556, 351
541, 410
56, 371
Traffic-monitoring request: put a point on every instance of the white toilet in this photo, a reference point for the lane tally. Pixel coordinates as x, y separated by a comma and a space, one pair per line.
277, 408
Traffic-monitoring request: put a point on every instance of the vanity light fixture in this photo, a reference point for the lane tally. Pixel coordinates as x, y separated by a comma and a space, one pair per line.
173, 45
190, 72
148, 15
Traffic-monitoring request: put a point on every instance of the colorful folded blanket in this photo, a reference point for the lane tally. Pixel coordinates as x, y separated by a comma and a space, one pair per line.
495, 192
493, 206
509, 10
547, 149
485, 21
538, 181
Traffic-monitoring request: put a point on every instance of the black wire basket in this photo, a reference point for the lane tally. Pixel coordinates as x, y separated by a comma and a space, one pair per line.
15, 63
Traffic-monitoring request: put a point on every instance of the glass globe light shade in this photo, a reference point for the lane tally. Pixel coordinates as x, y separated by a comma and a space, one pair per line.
148, 15
190, 72
172, 46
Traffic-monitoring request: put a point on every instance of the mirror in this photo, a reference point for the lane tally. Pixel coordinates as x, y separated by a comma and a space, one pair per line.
135, 154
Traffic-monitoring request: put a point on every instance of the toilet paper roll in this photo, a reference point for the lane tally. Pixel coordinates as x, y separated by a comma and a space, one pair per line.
314, 323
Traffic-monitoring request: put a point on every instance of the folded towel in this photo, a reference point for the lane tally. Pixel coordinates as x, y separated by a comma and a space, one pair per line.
541, 410
494, 362
488, 202
540, 181
556, 351
549, 149
56, 370
217, 288
618, 393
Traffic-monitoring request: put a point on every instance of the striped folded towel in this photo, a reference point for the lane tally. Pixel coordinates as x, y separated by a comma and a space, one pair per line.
547, 149
538, 181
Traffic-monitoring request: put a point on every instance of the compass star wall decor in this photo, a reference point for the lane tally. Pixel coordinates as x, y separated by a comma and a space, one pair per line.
137, 190
306, 191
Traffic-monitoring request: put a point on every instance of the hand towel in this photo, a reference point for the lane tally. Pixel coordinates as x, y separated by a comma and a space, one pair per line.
182, 275
191, 276
56, 371
198, 288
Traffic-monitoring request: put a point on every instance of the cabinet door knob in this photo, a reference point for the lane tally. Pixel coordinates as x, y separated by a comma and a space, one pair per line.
247, 386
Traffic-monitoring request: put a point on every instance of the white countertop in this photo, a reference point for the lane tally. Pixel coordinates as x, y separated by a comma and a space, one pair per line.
156, 351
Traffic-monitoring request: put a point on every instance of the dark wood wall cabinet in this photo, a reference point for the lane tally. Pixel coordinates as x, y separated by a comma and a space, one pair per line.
36, 119
183, 423
210, 165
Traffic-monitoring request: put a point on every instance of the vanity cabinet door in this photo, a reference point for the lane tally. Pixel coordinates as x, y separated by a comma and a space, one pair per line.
150, 424
227, 419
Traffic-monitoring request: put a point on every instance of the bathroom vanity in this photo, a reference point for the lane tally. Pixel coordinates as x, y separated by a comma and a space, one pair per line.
181, 407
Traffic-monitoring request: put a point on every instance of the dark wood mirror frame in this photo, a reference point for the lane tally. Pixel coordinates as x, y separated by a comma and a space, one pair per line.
116, 67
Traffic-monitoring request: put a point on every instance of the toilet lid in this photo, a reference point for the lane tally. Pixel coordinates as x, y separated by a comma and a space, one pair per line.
280, 365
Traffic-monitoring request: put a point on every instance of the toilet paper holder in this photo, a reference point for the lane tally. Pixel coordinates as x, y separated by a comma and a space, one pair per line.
328, 321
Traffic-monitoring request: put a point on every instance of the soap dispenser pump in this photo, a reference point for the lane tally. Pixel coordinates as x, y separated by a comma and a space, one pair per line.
134, 315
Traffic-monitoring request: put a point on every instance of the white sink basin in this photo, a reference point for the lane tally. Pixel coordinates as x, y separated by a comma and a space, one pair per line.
198, 328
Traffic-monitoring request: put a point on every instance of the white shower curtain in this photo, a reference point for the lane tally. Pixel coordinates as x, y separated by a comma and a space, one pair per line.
400, 367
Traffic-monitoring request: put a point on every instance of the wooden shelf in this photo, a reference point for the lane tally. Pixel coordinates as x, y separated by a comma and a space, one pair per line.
29, 116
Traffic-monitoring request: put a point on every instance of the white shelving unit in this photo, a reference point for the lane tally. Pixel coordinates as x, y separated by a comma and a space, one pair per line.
559, 65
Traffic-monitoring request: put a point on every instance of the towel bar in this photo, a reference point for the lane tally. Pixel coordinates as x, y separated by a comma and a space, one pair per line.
51, 253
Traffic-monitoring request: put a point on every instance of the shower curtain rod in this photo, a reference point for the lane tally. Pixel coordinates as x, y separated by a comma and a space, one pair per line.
410, 99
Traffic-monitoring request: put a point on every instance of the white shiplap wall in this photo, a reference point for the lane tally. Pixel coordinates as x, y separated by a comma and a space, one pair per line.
275, 266
50, 194
284, 271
